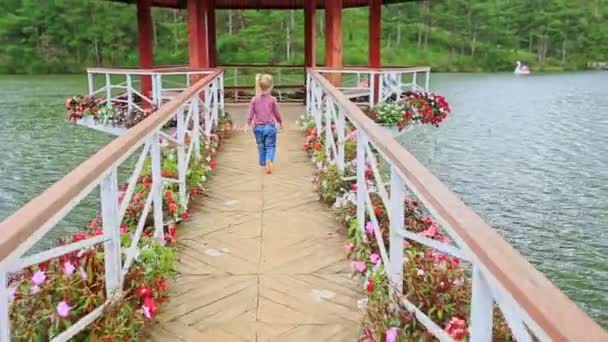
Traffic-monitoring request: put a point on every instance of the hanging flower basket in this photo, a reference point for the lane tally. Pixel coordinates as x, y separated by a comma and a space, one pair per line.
415, 108
113, 118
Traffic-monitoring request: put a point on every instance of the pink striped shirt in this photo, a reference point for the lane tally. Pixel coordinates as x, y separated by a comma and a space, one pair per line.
263, 109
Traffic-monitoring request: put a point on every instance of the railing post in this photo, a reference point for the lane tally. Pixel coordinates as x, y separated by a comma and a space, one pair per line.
5, 321
318, 108
482, 306
361, 186
157, 186
427, 79
414, 81
307, 94
221, 78
108, 88
181, 157
214, 86
159, 90
372, 82
397, 214
196, 127
129, 93
91, 82
340, 127
111, 233
328, 133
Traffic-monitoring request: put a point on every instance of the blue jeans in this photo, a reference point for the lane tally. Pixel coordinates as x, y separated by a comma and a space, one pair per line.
266, 138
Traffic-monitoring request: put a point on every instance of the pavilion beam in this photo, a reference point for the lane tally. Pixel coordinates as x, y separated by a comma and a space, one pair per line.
333, 38
375, 37
145, 43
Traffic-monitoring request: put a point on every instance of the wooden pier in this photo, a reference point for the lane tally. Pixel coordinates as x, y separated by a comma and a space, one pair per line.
260, 257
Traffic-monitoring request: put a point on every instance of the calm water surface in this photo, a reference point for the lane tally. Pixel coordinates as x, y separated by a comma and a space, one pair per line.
529, 154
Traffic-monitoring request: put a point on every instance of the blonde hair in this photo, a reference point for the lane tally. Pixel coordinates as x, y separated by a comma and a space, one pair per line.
263, 84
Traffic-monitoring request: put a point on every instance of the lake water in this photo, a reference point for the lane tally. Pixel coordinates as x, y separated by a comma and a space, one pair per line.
529, 154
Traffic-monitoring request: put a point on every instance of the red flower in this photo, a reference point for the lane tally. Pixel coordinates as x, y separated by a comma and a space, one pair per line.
169, 196
166, 173
353, 187
79, 237
318, 146
97, 232
213, 164
147, 233
149, 307
370, 285
185, 215
170, 238
124, 229
138, 197
194, 191
160, 284
143, 292
172, 208
378, 211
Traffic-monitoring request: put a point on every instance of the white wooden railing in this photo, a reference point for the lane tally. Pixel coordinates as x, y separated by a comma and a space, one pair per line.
122, 85
532, 306
196, 113
363, 83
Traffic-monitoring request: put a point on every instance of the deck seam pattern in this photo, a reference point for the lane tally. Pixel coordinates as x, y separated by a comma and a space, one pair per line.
260, 258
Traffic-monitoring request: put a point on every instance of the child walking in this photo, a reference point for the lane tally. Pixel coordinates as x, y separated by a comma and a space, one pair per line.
263, 117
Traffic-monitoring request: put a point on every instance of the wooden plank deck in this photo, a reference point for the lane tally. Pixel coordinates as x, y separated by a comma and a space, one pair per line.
260, 258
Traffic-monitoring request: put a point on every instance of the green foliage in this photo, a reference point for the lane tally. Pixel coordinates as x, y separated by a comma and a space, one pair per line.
452, 35
330, 184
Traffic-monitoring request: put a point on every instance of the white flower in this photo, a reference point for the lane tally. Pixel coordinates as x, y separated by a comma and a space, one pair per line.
419, 272
362, 303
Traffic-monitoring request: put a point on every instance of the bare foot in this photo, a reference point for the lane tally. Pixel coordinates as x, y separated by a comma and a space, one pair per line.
269, 167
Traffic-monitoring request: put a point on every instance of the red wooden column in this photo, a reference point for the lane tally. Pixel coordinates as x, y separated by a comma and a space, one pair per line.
198, 49
309, 33
211, 33
333, 38
146, 48
375, 37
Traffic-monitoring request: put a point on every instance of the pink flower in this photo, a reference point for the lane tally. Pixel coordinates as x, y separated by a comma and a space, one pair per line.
359, 266
348, 248
431, 231
11, 293
391, 334
369, 228
456, 328
374, 258
68, 268
34, 289
63, 309
39, 277
124, 229
83, 274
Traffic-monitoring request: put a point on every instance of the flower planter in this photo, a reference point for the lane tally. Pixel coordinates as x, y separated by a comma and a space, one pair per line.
390, 130
90, 122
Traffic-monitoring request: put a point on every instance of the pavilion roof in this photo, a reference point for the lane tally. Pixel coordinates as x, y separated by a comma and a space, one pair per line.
260, 4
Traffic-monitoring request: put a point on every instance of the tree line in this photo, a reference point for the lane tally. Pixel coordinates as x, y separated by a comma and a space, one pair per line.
64, 36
